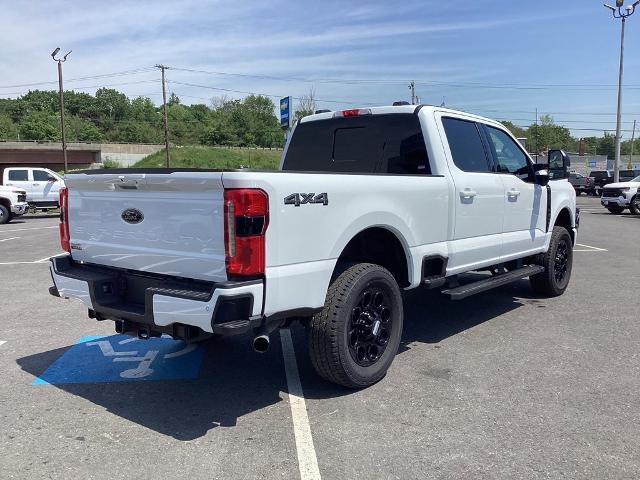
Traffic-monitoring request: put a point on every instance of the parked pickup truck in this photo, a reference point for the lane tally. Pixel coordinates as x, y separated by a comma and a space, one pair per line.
616, 197
13, 203
367, 203
41, 184
581, 183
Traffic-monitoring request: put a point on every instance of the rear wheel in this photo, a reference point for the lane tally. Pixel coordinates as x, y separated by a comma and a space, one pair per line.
634, 206
4, 215
557, 263
356, 336
615, 210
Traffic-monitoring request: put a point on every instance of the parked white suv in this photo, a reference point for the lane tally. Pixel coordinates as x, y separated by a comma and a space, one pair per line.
13, 203
41, 184
616, 197
367, 202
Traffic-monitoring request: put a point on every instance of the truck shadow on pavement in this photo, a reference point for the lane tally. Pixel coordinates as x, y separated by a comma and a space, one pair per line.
234, 381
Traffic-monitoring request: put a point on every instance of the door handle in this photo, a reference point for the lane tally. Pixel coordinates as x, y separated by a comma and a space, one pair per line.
36, 184
513, 193
468, 193
9, 184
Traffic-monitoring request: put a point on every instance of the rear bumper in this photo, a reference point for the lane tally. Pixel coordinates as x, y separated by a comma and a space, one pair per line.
136, 300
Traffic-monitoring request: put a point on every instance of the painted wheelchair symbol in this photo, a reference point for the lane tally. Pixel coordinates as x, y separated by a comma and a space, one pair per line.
143, 369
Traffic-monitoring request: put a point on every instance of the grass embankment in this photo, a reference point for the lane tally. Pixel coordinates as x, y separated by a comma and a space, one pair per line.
211, 157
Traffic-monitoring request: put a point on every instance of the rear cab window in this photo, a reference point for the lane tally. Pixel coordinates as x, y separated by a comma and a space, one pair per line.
384, 143
465, 143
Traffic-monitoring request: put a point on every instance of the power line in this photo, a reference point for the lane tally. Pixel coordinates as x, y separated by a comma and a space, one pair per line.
174, 82
527, 86
90, 77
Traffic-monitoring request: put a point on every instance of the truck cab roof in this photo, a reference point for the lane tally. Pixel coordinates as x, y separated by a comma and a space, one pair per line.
394, 109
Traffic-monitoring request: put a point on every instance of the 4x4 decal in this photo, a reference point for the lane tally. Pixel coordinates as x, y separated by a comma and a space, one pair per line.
298, 199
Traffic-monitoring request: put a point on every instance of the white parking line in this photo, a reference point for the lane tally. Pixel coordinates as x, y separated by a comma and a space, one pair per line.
307, 460
2, 342
10, 238
590, 248
42, 260
25, 229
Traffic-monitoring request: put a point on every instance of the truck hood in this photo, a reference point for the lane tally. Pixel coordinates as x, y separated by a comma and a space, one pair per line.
623, 185
4, 189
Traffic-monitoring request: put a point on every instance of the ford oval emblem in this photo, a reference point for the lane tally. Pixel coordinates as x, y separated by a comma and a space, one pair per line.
132, 215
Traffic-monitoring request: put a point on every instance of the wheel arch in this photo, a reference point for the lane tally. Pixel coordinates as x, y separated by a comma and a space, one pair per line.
382, 245
564, 218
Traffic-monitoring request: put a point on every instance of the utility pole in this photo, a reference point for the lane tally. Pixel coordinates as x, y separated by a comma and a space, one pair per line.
61, 89
412, 87
633, 137
621, 12
164, 112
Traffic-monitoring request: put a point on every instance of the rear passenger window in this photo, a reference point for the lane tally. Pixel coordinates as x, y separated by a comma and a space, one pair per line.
466, 145
18, 175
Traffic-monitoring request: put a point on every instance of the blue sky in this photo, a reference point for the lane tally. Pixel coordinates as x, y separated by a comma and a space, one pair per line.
558, 57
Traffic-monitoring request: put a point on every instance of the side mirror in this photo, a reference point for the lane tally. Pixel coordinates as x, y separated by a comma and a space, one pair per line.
52, 180
559, 163
542, 177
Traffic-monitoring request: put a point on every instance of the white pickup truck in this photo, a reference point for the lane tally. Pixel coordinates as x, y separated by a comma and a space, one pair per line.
367, 203
13, 203
41, 184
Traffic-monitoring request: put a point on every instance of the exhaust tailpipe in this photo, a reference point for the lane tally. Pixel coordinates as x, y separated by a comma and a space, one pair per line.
261, 343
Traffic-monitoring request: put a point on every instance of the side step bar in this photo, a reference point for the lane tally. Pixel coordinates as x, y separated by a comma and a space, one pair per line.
469, 289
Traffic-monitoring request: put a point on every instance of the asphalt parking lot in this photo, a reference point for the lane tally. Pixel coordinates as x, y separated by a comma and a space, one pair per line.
500, 385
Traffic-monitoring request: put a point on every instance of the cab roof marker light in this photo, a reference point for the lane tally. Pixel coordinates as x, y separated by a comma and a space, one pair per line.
353, 112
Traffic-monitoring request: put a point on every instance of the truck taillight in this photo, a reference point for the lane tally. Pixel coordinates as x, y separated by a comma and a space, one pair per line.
352, 112
64, 219
246, 216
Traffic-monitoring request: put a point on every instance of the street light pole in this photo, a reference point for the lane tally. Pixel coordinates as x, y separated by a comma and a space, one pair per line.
622, 13
61, 89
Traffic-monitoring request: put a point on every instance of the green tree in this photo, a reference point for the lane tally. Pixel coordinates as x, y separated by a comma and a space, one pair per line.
112, 104
8, 129
77, 129
40, 126
547, 135
607, 145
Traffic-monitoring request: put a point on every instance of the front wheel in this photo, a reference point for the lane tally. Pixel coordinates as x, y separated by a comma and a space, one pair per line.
356, 336
557, 263
634, 206
5, 216
615, 210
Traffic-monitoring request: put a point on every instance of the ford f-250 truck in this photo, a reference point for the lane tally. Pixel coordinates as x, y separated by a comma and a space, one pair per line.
367, 203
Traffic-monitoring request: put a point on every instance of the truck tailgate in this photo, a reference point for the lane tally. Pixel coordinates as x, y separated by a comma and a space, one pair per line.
165, 223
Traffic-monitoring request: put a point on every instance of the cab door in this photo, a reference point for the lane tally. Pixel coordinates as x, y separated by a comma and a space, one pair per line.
525, 203
478, 201
46, 187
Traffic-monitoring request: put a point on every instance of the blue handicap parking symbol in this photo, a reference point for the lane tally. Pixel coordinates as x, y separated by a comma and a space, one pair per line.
121, 358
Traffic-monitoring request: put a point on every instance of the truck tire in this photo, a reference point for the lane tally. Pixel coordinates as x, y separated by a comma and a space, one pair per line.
557, 263
4, 214
356, 336
634, 206
615, 210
